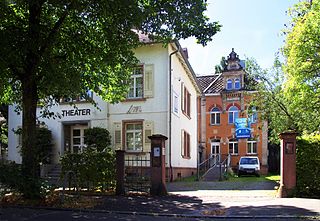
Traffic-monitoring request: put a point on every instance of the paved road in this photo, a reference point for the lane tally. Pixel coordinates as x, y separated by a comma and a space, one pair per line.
15, 214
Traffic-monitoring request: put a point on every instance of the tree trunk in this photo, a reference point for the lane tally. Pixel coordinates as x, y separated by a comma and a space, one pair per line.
30, 166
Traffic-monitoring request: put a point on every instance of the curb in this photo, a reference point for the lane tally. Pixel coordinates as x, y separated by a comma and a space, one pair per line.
253, 217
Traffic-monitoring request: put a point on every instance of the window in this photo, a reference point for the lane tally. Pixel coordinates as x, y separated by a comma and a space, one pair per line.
237, 84
77, 138
175, 103
233, 147
186, 101
185, 144
133, 136
233, 114
215, 116
229, 84
87, 96
254, 115
252, 147
136, 83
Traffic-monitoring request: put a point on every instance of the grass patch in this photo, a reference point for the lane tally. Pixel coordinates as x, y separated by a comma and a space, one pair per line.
269, 177
188, 179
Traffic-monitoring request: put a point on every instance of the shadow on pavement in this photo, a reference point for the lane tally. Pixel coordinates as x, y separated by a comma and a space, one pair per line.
163, 204
224, 185
186, 205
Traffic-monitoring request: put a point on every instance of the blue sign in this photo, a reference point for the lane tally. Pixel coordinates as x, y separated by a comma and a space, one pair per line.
243, 128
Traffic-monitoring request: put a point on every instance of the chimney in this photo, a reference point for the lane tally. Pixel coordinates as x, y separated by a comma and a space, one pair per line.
185, 51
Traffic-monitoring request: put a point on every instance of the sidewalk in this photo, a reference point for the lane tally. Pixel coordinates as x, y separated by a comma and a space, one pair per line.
202, 199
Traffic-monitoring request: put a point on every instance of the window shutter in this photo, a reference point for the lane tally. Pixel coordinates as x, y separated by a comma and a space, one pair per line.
117, 136
182, 143
148, 80
182, 97
148, 131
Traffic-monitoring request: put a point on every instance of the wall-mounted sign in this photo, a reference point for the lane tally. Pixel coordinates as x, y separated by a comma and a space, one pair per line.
243, 128
76, 112
134, 109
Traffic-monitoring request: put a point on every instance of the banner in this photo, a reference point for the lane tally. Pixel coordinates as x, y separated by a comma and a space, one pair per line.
243, 128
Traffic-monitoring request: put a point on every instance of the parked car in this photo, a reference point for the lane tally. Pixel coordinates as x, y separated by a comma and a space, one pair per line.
249, 166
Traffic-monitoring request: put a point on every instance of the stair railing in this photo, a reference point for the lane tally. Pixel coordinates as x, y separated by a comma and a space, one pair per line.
206, 165
224, 165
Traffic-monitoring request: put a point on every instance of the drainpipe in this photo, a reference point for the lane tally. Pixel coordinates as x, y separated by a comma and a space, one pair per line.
170, 110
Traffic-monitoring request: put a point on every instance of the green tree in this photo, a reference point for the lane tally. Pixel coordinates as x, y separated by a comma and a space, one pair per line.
302, 51
270, 98
222, 66
55, 48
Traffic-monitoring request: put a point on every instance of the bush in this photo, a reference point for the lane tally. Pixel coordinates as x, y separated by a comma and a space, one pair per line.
43, 144
308, 166
97, 138
10, 176
93, 170
95, 167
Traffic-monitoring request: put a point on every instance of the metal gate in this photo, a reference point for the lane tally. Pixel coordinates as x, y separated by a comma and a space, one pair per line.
137, 172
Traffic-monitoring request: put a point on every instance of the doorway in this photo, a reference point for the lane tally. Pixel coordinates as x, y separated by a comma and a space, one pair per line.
215, 150
77, 138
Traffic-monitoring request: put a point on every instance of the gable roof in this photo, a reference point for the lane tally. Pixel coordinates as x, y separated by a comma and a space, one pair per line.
210, 84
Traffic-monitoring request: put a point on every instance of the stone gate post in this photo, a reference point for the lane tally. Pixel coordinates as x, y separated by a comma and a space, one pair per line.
158, 170
120, 172
287, 163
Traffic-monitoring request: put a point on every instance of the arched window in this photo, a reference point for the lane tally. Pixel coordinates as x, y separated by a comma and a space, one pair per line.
233, 113
254, 116
215, 116
237, 83
229, 84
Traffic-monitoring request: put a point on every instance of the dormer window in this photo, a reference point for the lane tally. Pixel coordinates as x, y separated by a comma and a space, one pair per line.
237, 84
229, 84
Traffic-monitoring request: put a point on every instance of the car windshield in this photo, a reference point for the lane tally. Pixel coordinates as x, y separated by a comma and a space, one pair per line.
251, 161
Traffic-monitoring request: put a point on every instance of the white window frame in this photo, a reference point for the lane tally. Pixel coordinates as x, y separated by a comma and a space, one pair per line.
235, 114
254, 116
137, 73
237, 82
214, 113
234, 144
135, 133
229, 83
251, 145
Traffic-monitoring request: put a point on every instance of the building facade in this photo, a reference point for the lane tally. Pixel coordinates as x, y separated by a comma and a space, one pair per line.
225, 100
161, 100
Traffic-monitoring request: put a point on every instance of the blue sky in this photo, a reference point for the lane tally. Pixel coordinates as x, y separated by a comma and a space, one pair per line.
251, 27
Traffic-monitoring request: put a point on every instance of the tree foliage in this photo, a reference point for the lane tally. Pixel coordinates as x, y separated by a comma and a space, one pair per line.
308, 166
55, 48
302, 51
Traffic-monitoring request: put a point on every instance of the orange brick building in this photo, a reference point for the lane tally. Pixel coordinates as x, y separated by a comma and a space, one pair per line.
225, 98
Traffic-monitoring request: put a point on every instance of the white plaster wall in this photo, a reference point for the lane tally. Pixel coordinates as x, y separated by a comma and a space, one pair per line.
97, 117
155, 108
181, 122
15, 121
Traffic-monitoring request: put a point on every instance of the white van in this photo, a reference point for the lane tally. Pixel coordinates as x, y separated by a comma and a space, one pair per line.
249, 165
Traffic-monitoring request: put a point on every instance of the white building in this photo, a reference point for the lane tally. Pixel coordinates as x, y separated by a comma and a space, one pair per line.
159, 102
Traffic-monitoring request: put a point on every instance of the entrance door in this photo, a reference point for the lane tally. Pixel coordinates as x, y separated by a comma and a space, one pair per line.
77, 138
215, 151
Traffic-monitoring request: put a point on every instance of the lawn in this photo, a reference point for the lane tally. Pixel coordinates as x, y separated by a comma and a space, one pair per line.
235, 178
270, 177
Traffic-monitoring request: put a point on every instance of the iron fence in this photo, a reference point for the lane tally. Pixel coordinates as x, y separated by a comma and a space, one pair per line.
137, 172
